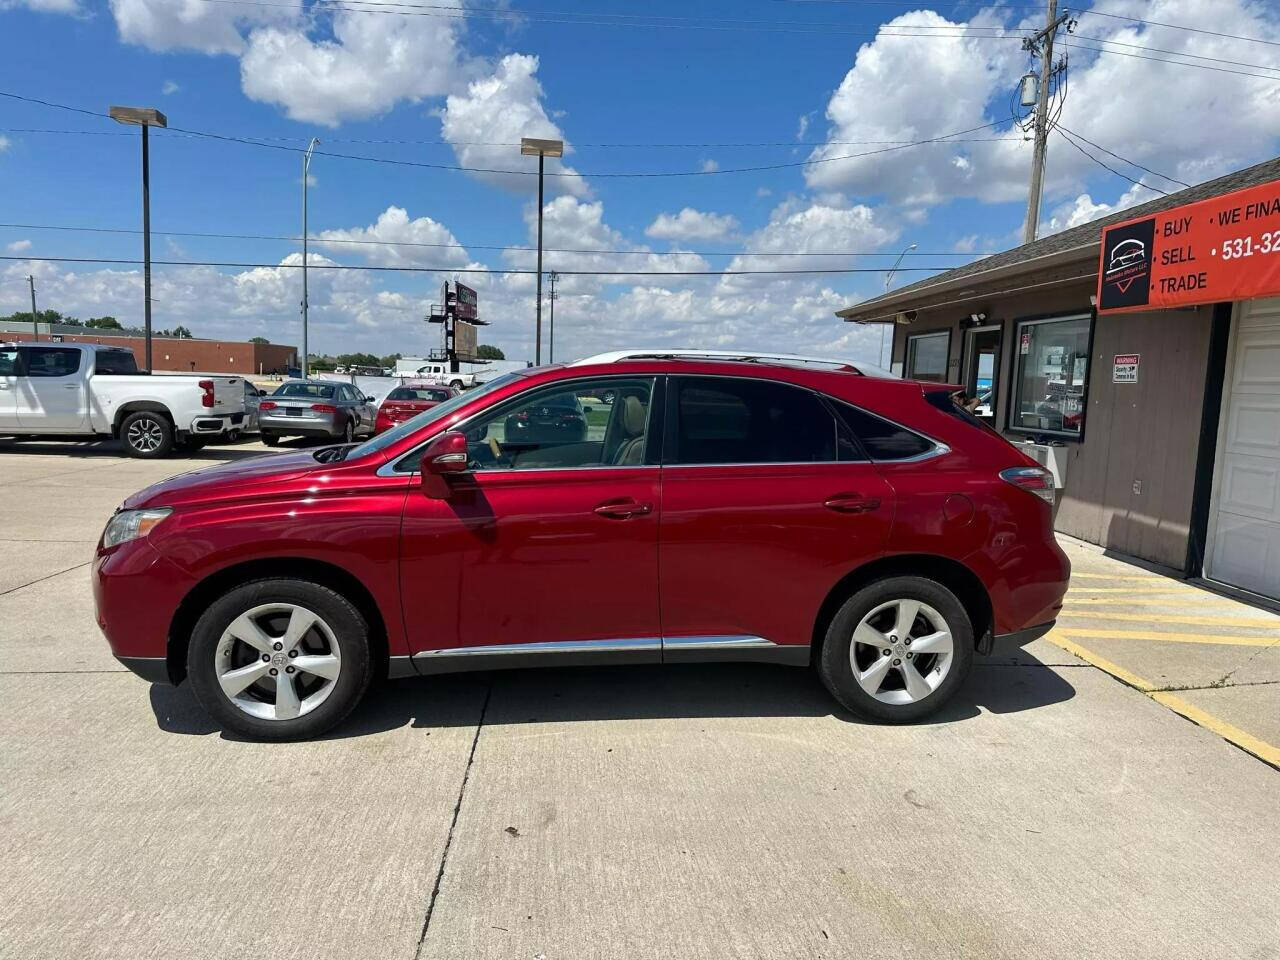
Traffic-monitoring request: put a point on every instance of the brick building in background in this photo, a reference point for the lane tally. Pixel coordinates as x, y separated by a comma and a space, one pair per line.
173, 354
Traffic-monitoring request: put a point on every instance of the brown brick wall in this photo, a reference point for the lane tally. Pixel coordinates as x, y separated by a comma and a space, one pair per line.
185, 356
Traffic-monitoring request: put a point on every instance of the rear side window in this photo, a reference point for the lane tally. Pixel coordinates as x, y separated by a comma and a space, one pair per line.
882, 439
115, 361
51, 361
726, 420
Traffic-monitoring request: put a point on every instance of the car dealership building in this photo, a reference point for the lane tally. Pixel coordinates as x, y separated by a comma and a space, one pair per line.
1154, 395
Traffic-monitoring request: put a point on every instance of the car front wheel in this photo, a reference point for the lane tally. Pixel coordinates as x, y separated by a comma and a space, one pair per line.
897, 650
279, 659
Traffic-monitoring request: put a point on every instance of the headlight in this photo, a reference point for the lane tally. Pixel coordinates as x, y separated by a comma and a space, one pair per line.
131, 524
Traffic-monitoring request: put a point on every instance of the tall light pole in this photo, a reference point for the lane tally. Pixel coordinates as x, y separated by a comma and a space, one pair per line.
306, 173
888, 279
529, 147
143, 117
551, 340
35, 317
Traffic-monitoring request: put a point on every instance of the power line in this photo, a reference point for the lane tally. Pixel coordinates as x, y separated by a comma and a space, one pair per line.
1176, 53
1180, 63
1133, 163
1107, 166
526, 173
471, 246
472, 270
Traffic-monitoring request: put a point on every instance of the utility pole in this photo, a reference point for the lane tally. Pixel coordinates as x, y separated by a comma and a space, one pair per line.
1041, 45
306, 172
530, 147
551, 352
35, 317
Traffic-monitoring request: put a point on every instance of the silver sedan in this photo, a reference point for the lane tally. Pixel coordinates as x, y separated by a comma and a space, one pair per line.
316, 408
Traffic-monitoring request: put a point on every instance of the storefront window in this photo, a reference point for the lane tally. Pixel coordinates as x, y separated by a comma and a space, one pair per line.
927, 356
1051, 376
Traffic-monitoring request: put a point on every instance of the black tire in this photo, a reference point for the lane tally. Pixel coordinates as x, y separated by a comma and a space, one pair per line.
456, 384
348, 628
836, 668
349, 432
270, 439
146, 435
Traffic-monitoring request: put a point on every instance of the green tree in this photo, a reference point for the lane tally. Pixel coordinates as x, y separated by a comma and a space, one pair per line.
103, 323
357, 360
389, 360
487, 351
259, 340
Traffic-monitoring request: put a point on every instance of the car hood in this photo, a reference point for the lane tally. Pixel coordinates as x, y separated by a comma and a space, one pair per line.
227, 481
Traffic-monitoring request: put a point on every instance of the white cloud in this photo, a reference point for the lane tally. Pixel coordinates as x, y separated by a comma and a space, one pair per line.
170, 87
376, 243
194, 24
1083, 209
966, 244
485, 124
18, 246
5, 143
817, 228
892, 93
43, 6
691, 224
710, 166
370, 64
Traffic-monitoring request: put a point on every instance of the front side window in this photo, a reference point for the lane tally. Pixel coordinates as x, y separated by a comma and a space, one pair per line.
553, 428
927, 356
1051, 376
726, 420
51, 362
8, 362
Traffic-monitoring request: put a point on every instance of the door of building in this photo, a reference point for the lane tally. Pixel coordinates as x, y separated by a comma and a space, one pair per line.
982, 369
1244, 524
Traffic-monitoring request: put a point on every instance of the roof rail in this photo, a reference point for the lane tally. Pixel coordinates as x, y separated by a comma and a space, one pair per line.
743, 356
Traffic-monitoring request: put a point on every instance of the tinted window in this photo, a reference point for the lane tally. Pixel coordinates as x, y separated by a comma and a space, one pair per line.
8, 362
552, 428
115, 361
881, 439
724, 420
51, 361
1051, 376
323, 391
927, 357
434, 394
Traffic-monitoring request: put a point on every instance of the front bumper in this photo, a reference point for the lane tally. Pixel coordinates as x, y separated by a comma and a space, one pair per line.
135, 594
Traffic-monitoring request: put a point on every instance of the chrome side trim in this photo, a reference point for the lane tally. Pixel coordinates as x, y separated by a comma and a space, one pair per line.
716, 643
571, 646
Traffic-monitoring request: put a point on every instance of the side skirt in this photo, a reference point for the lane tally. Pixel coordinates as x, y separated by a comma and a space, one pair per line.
607, 653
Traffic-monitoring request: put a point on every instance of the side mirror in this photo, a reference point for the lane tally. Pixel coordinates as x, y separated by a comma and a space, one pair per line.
444, 456
262, 393
370, 400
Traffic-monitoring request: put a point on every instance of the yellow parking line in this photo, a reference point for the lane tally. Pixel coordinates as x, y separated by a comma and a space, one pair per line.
1223, 621
1170, 637
1075, 575
1111, 601
1245, 741
1093, 590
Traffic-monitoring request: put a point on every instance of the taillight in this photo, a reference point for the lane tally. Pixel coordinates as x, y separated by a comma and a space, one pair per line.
1035, 480
207, 387
268, 405
324, 408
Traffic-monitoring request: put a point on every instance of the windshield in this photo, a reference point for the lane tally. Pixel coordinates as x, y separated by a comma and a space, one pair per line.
431, 415
322, 390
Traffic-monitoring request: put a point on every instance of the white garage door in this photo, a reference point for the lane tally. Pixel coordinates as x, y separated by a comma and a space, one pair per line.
1244, 546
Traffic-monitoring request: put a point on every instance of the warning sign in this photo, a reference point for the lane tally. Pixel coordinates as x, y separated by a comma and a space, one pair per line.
1125, 368
1223, 248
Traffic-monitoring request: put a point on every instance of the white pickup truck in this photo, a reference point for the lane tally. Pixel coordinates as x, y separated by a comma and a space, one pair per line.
89, 391
440, 373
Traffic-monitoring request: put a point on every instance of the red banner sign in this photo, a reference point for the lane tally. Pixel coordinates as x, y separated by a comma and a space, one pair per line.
1223, 248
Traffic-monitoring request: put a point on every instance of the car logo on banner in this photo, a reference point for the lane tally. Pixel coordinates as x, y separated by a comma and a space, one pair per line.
1126, 281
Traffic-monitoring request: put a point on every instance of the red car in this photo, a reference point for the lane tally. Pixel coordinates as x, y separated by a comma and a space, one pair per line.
407, 401
756, 508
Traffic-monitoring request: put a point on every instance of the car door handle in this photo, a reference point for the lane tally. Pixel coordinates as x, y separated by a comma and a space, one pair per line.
623, 509
71, 386
852, 503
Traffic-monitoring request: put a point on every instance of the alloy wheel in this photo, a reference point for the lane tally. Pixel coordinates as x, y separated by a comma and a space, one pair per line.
145, 435
349, 433
901, 651
277, 661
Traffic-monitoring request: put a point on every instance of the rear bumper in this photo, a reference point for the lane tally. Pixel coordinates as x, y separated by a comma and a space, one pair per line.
1008, 642
211, 426
300, 426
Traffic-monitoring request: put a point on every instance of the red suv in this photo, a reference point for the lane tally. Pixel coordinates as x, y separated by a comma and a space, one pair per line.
745, 508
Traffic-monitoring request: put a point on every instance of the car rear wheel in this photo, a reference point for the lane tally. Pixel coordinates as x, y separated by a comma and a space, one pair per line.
897, 650
270, 439
279, 659
146, 435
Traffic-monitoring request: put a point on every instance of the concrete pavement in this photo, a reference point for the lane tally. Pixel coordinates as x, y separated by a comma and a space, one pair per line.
692, 811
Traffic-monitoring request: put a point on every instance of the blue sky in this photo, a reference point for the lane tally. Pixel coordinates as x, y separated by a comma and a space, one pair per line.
727, 74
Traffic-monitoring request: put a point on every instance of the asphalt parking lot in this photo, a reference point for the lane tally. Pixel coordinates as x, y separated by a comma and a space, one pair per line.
1063, 806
